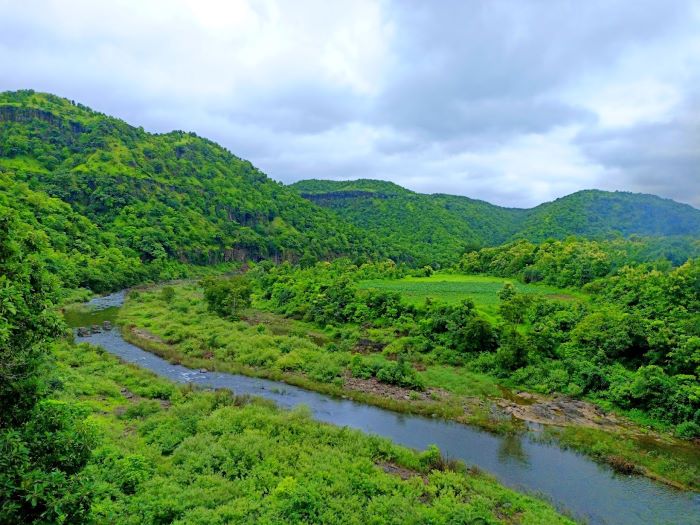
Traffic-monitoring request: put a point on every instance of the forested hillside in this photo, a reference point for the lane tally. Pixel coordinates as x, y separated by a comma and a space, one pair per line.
429, 228
599, 214
118, 204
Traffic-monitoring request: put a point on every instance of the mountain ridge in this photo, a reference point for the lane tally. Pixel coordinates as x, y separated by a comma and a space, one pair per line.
461, 221
146, 202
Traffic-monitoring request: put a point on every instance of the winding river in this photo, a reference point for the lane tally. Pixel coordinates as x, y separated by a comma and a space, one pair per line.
590, 492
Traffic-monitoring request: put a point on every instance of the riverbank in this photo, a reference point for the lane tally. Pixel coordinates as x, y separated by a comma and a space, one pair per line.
178, 454
614, 449
593, 493
199, 340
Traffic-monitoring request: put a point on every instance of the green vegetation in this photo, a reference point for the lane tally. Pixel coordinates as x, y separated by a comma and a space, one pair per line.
425, 231
85, 439
455, 288
337, 339
633, 345
119, 206
345, 300
433, 229
44, 443
167, 454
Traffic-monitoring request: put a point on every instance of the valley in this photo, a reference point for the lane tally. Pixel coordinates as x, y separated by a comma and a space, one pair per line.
445, 348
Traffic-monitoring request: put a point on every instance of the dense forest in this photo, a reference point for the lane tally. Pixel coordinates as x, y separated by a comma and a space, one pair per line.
119, 205
431, 304
432, 229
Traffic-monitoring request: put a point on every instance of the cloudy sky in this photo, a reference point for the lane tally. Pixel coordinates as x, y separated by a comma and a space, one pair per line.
515, 102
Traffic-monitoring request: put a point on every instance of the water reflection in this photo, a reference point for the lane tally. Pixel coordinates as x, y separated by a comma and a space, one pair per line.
512, 450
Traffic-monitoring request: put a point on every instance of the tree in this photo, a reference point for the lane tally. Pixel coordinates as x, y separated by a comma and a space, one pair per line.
44, 444
507, 292
513, 351
226, 297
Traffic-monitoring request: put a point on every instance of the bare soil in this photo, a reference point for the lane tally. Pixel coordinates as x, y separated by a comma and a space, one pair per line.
374, 386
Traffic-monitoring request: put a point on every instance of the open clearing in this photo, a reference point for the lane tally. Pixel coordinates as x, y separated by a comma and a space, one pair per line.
454, 288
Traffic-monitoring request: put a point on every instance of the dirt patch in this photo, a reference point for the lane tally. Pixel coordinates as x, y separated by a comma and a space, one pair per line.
367, 346
399, 393
145, 334
622, 465
402, 472
560, 411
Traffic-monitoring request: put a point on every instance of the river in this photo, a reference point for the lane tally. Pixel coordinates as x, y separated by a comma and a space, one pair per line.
589, 491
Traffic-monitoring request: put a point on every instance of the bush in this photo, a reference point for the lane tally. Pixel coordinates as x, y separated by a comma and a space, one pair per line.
226, 297
688, 430
400, 373
167, 294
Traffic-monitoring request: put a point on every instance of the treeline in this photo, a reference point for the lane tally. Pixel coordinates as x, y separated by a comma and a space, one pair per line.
634, 344
574, 262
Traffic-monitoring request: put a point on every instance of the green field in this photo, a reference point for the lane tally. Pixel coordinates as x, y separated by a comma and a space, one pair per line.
454, 288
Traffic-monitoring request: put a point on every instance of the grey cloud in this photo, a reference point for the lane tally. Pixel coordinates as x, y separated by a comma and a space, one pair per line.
663, 159
470, 67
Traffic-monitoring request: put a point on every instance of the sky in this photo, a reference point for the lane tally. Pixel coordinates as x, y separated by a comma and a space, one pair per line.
514, 102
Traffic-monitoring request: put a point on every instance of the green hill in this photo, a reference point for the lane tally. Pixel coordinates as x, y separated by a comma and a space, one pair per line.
427, 228
600, 214
117, 204
433, 228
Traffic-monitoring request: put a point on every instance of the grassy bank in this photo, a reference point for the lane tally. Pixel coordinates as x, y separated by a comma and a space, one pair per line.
182, 330
168, 454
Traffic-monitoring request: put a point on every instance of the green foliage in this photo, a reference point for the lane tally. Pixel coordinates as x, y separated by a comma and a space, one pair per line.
424, 231
431, 229
211, 457
167, 293
43, 444
226, 297
453, 288
120, 206
398, 372
572, 262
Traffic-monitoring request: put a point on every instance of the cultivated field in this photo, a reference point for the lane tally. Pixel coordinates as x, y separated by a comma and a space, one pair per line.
453, 288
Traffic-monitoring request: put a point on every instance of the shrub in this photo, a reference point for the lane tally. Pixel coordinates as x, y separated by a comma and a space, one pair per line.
167, 294
688, 430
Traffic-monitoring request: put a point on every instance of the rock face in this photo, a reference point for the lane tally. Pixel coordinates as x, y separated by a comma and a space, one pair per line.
560, 410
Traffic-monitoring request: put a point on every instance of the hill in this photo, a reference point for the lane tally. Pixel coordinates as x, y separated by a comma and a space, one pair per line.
117, 204
432, 228
600, 214
428, 228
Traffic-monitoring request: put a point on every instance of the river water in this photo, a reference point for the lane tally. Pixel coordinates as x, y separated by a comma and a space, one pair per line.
590, 492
